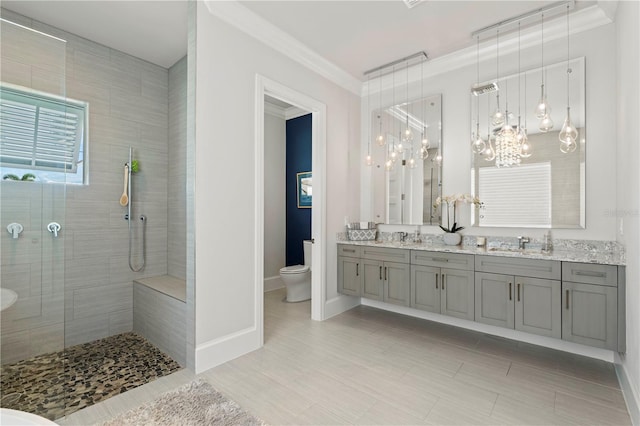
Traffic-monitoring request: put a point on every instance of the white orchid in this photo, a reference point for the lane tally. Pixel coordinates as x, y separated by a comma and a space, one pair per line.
451, 202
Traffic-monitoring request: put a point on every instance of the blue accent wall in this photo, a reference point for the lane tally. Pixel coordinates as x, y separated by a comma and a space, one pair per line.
298, 160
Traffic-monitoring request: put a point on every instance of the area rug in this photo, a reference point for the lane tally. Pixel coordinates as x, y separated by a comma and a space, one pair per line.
196, 403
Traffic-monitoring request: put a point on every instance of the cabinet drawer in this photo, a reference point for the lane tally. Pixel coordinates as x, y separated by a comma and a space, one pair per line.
588, 273
385, 254
442, 260
348, 250
535, 268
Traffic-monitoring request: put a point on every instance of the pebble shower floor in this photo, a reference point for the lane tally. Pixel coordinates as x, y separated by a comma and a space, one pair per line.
60, 383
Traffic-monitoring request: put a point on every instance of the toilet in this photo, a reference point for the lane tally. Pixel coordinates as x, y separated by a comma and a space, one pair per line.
297, 278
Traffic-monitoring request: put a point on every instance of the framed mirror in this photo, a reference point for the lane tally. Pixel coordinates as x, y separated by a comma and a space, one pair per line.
405, 190
545, 189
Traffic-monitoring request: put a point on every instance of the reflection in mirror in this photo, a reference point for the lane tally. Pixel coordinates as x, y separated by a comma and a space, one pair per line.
405, 190
547, 188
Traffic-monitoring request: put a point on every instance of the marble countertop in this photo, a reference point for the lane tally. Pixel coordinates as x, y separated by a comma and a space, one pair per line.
582, 256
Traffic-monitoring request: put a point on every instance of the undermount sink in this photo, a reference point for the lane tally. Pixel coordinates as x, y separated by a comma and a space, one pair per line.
7, 298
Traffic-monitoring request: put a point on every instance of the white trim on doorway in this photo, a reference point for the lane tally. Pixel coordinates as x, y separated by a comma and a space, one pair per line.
266, 86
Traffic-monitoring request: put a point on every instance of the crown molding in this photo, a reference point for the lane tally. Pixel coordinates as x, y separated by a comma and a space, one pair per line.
581, 20
252, 24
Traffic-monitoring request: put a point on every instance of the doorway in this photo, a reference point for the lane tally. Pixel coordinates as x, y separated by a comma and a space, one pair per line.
273, 89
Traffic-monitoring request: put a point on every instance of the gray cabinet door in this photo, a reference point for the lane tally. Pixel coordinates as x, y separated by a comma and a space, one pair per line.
349, 278
589, 314
537, 308
397, 283
425, 288
372, 280
494, 299
457, 293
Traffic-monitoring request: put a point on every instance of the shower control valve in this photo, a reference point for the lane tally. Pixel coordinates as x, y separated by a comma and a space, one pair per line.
54, 227
15, 229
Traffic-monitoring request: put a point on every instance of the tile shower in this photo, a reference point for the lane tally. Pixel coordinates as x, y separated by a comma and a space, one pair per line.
78, 288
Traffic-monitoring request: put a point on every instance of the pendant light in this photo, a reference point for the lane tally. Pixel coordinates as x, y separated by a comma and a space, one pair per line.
489, 152
497, 118
423, 154
380, 140
407, 136
478, 144
568, 133
521, 133
543, 110
368, 159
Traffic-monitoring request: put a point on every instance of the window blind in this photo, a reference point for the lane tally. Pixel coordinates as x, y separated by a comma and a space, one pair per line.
516, 196
40, 132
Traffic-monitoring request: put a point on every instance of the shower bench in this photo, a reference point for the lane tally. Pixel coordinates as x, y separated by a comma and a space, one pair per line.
159, 308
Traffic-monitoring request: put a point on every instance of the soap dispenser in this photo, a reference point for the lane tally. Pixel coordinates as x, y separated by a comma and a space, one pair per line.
546, 242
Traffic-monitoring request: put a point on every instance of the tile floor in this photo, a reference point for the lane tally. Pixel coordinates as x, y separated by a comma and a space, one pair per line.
60, 383
369, 366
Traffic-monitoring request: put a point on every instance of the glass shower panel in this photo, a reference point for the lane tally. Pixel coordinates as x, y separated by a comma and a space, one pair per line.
32, 260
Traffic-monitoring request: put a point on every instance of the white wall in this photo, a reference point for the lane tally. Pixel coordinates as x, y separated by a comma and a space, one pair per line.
628, 186
227, 63
275, 218
598, 47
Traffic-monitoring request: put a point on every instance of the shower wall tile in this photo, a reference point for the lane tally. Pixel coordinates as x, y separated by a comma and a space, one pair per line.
87, 293
177, 166
102, 300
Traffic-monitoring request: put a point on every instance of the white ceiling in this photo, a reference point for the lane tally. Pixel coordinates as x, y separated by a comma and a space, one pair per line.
354, 35
155, 31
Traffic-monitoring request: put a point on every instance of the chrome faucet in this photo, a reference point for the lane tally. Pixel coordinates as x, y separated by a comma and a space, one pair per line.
522, 241
403, 236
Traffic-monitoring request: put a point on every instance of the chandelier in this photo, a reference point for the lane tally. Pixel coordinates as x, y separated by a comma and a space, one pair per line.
507, 143
398, 140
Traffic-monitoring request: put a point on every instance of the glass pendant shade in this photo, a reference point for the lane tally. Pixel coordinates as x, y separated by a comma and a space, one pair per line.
388, 165
438, 159
380, 140
489, 152
568, 147
393, 156
478, 145
542, 109
425, 139
526, 149
399, 148
423, 154
568, 133
412, 163
498, 117
407, 136
368, 160
546, 124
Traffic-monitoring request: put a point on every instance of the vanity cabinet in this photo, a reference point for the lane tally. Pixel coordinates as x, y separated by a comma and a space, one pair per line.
577, 302
376, 273
528, 299
349, 277
590, 304
386, 274
442, 283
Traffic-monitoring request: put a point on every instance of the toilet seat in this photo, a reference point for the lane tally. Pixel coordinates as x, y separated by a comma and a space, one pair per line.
295, 269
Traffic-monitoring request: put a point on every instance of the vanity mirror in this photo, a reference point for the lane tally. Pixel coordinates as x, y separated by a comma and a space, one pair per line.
545, 188
405, 190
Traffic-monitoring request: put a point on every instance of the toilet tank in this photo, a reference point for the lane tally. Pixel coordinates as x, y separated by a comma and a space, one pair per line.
307, 252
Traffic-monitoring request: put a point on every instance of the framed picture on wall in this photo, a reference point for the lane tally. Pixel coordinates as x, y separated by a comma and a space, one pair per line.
304, 190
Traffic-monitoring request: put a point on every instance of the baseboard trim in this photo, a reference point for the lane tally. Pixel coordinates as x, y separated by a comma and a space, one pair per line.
226, 348
273, 283
632, 400
339, 305
549, 342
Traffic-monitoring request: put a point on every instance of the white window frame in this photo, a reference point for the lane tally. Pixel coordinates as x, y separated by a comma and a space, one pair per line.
53, 129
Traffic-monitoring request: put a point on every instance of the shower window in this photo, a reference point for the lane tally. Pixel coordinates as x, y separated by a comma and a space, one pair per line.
42, 136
